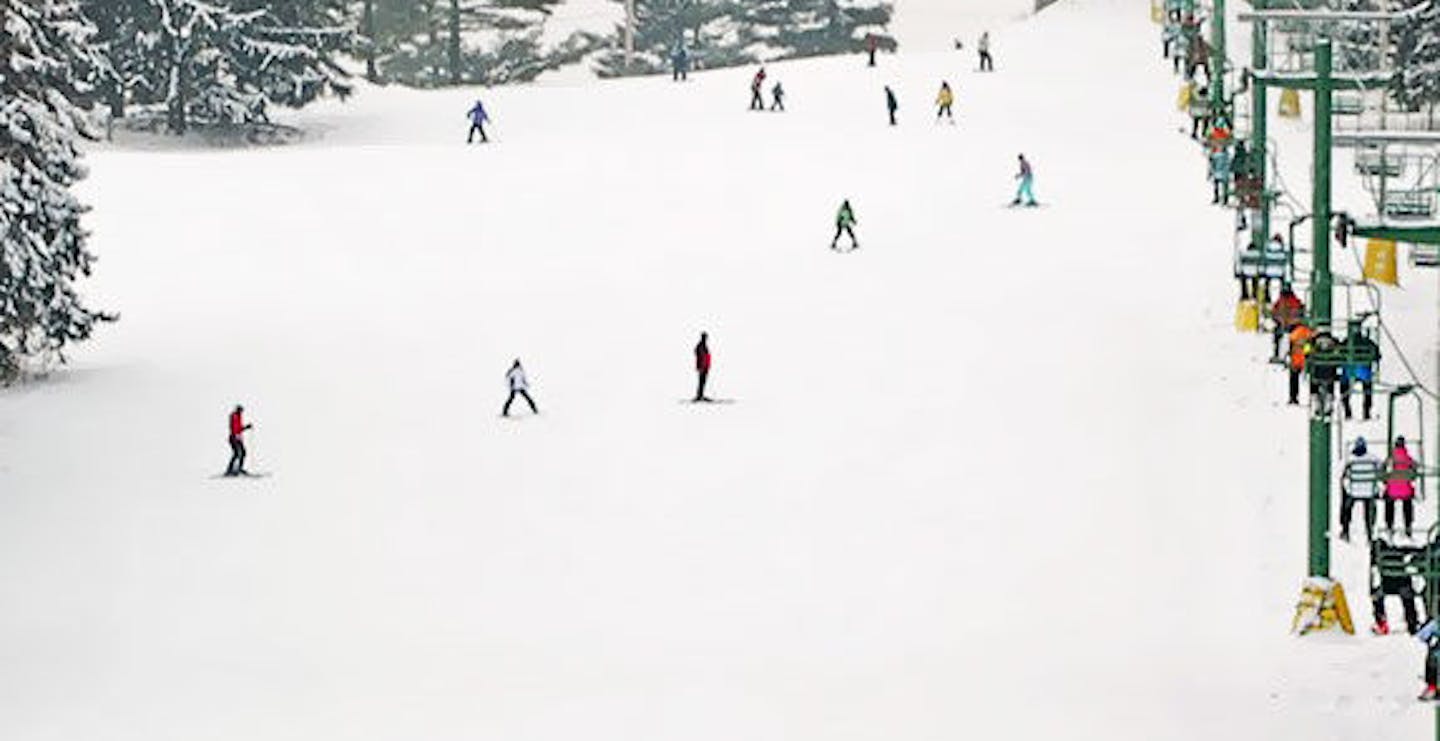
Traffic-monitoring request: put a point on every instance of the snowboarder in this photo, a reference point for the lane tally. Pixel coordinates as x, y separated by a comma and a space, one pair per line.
891, 104
1299, 344
680, 62
702, 366
845, 223
1357, 345
777, 97
1400, 486
478, 117
519, 386
987, 64
236, 466
871, 44
1287, 312
945, 100
757, 99
1359, 483
1026, 191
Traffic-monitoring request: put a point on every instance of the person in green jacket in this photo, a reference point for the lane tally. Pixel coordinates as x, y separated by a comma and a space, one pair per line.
845, 223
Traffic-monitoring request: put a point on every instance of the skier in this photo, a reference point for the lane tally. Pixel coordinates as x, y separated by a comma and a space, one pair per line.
891, 104
945, 100
1359, 483
1287, 312
1299, 344
1199, 112
1399, 586
1219, 171
871, 44
1274, 267
679, 62
519, 386
1026, 176
1357, 345
777, 96
1400, 486
236, 466
986, 63
478, 117
1429, 634
757, 100
845, 222
702, 366
1168, 37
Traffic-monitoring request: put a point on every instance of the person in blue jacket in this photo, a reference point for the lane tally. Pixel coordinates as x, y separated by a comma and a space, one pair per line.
679, 62
1219, 171
478, 117
1357, 369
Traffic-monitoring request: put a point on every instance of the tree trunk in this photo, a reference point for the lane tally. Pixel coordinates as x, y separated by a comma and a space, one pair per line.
454, 42
367, 29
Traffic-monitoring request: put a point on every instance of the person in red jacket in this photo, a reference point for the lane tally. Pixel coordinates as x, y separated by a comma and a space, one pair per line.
236, 467
702, 365
757, 98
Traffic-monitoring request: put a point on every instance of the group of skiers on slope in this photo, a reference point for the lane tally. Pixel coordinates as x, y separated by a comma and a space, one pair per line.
757, 96
516, 382
1288, 315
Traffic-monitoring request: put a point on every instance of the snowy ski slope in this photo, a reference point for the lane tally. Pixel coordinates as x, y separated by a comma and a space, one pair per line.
998, 474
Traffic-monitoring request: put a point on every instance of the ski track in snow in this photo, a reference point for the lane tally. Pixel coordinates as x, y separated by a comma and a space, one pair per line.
1000, 474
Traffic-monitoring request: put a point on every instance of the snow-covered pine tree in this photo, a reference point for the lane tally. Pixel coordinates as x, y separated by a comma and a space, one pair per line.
222, 61
449, 42
48, 69
723, 33
1417, 47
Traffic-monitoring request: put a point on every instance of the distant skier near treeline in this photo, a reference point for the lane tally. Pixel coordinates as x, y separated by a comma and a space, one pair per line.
891, 104
777, 97
702, 366
478, 117
519, 386
680, 62
871, 45
945, 100
987, 64
757, 97
845, 224
236, 466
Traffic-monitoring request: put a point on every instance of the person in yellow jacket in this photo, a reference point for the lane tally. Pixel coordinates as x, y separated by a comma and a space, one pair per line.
945, 100
1299, 347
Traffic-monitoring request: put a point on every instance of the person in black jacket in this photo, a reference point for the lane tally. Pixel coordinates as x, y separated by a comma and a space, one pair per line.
702, 366
891, 104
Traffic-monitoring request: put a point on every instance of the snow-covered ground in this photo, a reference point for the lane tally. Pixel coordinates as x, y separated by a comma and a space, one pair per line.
998, 474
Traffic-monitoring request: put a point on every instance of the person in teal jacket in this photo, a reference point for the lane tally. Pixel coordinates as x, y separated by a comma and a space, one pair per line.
845, 223
1026, 191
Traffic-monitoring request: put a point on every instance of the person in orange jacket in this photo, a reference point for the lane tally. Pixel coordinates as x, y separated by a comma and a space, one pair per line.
1299, 345
1287, 311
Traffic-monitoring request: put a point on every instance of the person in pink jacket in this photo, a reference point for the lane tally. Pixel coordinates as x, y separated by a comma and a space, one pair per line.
1400, 486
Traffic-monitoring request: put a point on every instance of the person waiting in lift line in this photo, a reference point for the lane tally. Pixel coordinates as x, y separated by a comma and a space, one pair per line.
236, 466
478, 117
519, 386
702, 367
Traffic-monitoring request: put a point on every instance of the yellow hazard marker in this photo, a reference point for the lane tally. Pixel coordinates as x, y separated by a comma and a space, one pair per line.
1322, 607
1247, 315
1380, 262
1290, 103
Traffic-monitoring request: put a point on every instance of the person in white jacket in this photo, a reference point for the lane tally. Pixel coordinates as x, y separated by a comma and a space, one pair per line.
1359, 484
519, 386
